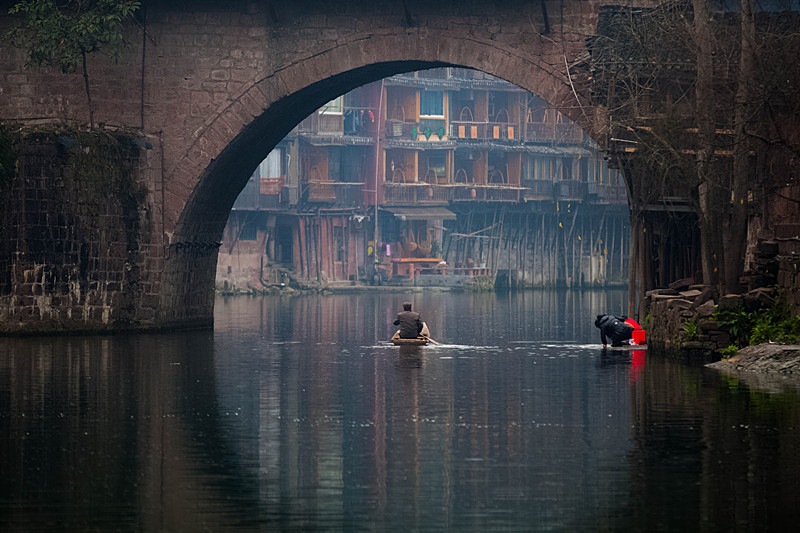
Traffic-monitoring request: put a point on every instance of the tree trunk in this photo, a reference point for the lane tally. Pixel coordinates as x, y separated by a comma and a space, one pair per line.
708, 188
736, 234
88, 92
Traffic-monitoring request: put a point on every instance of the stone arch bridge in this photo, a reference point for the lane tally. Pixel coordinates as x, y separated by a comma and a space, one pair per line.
209, 88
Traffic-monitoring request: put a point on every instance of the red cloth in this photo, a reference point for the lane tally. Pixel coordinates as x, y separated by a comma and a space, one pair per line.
633, 323
637, 338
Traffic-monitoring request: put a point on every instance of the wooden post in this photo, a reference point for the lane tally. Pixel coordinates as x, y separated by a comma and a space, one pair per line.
301, 257
644, 268
633, 266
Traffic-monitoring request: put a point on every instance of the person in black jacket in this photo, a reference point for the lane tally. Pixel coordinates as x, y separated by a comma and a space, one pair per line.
410, 322
614, 328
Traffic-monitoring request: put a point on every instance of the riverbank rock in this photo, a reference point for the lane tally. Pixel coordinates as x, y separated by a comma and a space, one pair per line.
775, 358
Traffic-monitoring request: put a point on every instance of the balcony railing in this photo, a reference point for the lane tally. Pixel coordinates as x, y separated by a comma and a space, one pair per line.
345, 194
607, 194
484, 131
357, 121
539, 190
254, 197
570, 190
486, 193
428, 129
321, 191
415, 194
348, 194
544, 132
271, 185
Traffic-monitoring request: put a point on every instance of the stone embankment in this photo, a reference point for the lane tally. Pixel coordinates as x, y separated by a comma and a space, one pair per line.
765, 358
681, 316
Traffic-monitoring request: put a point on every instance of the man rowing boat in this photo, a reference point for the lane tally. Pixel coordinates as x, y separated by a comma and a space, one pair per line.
410, 322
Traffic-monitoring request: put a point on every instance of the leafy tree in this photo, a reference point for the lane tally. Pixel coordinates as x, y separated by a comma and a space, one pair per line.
63, 34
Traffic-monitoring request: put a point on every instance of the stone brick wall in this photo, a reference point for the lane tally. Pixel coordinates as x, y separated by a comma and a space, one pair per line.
82, 233
680, 318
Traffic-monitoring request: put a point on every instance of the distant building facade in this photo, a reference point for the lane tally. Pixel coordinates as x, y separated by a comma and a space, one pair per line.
472, 179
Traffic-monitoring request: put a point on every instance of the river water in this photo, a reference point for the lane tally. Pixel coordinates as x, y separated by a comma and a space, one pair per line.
296, 414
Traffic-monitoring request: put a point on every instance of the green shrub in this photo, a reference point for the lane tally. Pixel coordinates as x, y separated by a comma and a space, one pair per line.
772, 324
690, 330
739, 323
729, 351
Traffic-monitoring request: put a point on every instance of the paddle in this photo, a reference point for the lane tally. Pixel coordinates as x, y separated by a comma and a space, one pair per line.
433, 341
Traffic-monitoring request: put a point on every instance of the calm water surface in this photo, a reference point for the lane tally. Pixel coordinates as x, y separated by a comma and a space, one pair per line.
296, 414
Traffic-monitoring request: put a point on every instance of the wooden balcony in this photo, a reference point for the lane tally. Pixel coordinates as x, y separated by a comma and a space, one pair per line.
544, 132
602, 193
397, 129
486, 193
343, 194
484, 131
419, 193
353, 121
321, 191
271, 185
426, 129
539, 190
348, 194
571, 190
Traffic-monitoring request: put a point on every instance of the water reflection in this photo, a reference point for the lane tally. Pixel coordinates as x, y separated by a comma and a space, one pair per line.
297, 414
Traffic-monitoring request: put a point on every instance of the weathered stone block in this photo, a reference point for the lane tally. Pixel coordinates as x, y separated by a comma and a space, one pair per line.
706, 294
681, 284
657, 292
691, 294
730, 302
693, 345
707, 309
706, 325
150, 301
679, 304
721, 338
758, 298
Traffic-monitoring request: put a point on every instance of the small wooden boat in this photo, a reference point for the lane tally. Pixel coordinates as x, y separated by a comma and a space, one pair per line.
419, 341
422, 340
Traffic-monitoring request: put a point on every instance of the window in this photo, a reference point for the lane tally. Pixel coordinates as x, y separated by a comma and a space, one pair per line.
432, 104
338, 240
269, 173
249, 230
436, 166
334, 107
566, 169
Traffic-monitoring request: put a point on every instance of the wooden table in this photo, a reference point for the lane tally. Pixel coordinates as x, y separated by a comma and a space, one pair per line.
410, 266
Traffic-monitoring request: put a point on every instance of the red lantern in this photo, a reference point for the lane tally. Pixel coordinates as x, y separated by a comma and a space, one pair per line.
472, 193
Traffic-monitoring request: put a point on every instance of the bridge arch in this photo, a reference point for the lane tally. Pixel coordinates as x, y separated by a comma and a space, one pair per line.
205, 181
